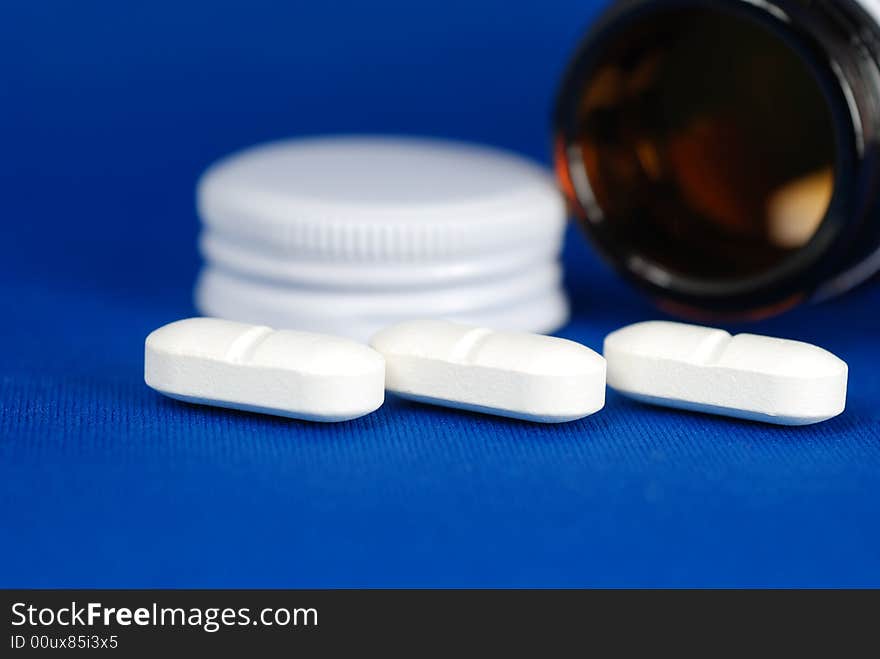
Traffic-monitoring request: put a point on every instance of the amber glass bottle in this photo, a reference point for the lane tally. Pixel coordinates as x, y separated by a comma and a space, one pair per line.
723, 154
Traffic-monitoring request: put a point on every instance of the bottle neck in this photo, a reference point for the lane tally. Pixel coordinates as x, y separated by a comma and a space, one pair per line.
857, 59
839, 42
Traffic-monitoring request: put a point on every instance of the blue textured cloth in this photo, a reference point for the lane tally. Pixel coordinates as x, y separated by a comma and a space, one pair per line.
109, 112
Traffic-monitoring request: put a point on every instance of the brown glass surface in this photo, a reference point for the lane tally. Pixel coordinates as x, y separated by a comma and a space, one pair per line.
707, 143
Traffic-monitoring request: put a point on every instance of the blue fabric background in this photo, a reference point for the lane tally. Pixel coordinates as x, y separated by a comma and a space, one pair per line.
109, 111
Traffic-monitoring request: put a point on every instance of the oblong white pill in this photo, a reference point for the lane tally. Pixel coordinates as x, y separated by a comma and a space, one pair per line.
524, 376
707, 370
250, 367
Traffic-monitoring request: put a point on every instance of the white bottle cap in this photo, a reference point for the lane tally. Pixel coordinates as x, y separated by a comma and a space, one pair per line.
537, 306
275, 266
348, 234
381, 198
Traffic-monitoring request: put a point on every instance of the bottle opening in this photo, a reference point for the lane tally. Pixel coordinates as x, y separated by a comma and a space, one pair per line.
708, 143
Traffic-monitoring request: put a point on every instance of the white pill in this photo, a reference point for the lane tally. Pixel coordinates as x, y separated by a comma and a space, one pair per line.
708, 370
250, 367
524, 376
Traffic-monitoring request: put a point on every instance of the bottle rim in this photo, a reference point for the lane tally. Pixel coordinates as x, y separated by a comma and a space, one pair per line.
840, 54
